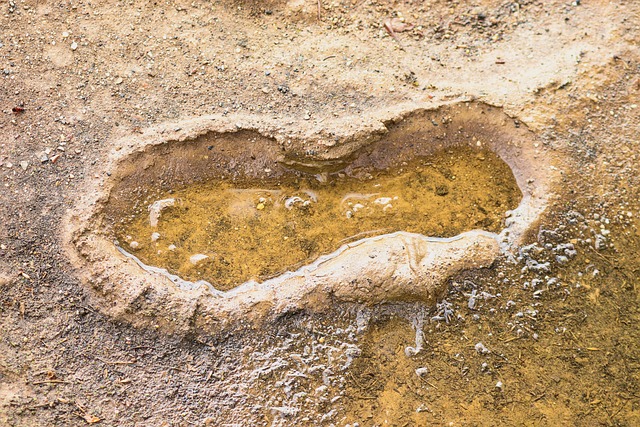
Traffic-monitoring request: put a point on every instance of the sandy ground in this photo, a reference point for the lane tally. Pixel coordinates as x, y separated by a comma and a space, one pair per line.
79, 76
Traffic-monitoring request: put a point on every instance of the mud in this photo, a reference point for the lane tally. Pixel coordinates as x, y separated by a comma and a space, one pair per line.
545, 336
390, 267
229, 233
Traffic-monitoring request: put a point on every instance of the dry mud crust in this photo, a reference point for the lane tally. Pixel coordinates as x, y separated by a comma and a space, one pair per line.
392, 267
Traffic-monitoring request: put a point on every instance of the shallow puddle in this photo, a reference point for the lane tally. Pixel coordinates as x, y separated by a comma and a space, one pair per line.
228, 232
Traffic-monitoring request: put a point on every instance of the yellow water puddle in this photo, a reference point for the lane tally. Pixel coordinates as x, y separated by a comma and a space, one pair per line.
229, 232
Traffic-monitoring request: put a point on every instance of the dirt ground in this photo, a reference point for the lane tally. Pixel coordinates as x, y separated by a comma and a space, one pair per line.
512, 345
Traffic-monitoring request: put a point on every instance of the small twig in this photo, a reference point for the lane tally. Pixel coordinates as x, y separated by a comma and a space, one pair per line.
366, 397
87, 307
539, 397
117, 362
50, 382
389, 28
617, 412
428, 383
319, 7
140, 347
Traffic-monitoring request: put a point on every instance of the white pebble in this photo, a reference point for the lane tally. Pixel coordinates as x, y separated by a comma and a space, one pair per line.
194, 259
422, 372
382, 200
480, 348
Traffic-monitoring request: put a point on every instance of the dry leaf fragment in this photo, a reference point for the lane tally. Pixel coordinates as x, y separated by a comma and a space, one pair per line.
395, 25
398, 26
91, 419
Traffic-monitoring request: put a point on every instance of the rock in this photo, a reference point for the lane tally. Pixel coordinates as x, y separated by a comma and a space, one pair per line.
74, 46
601, 242
195, 259
382, 201
24, 165
134, 245
442, 190
481, 349
422, 372
118, 81
42, 156
155, 236
291, 201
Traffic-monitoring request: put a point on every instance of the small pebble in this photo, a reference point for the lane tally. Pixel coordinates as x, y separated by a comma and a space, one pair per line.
422, 372
134, 245
74, 46
382, 200
481, 349
194, 259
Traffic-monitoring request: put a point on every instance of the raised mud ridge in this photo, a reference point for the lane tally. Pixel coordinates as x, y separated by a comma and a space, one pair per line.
399, 266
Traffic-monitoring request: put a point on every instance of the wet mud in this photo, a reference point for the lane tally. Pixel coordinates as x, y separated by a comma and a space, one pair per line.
103, 101
227, 233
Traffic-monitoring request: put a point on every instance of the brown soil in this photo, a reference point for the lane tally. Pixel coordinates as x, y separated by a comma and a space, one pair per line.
561, 337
